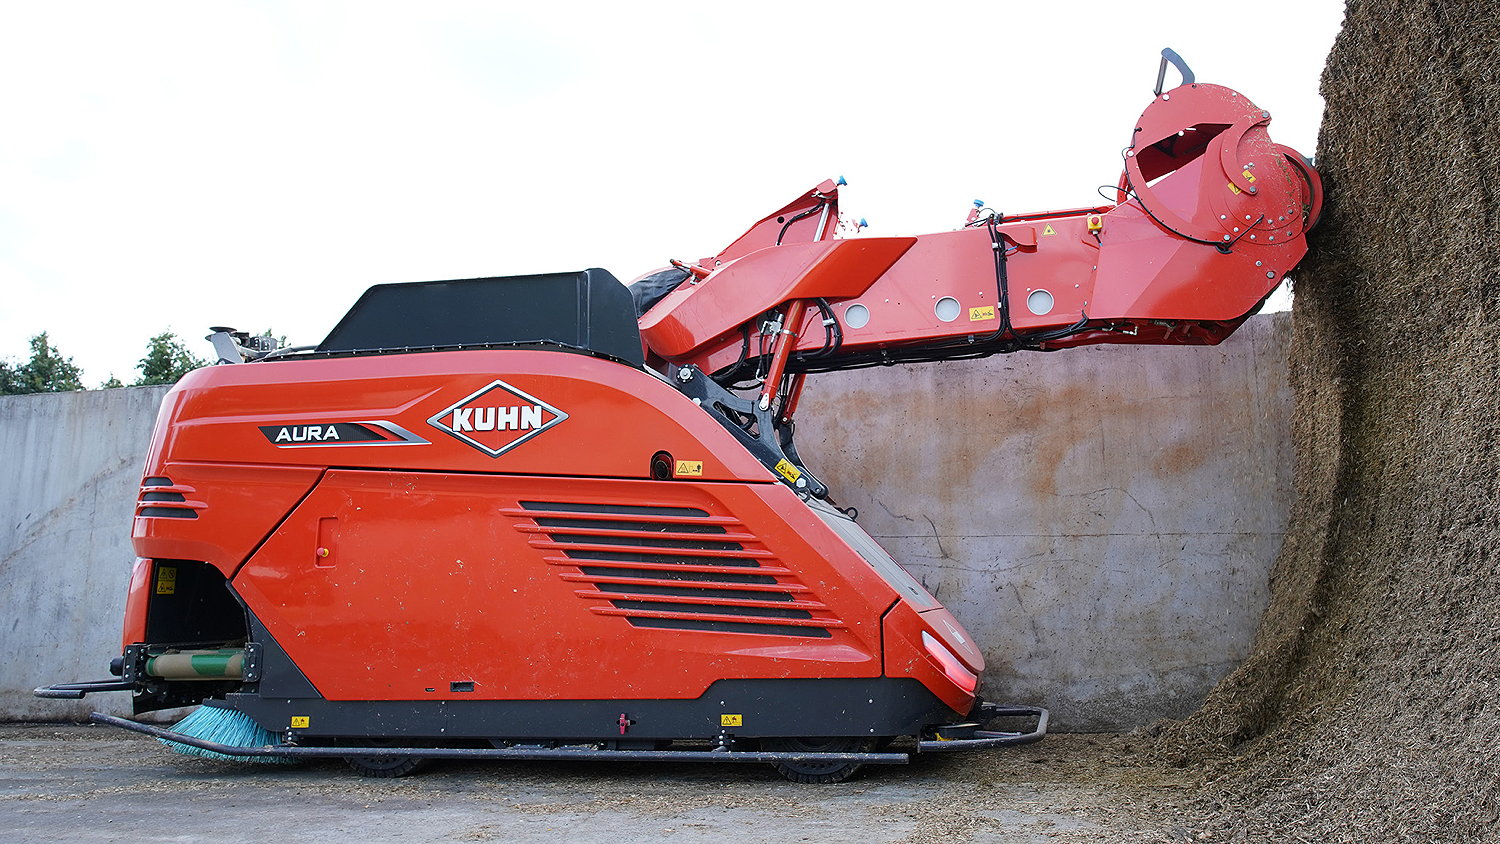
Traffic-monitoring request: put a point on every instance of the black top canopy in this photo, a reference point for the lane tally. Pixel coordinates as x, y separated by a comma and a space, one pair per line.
586, 310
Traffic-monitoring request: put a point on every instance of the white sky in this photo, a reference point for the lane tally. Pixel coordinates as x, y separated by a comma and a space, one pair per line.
179, 165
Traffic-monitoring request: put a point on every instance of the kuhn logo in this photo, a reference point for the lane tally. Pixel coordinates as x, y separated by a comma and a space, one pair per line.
497, 418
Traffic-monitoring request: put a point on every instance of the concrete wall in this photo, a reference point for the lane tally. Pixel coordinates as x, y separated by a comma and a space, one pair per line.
70, 472
1102, 520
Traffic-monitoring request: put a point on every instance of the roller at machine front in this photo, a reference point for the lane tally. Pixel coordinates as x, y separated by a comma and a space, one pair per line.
555, 517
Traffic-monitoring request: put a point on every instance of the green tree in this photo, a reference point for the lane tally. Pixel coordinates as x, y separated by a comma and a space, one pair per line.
111, 383
166, 360
46, 372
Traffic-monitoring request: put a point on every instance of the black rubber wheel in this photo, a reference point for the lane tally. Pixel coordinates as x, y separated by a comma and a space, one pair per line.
385, 767
818, 773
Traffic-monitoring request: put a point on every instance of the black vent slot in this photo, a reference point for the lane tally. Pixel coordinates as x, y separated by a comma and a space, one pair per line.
730, 627
167, 513
697, 576
660, 559
165, 499
644, 527
646, 540
716, 609
613, 509
691, 591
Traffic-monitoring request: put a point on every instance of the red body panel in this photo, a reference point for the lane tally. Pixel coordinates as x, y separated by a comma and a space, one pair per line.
231, 502
907, 656
434, 571
216, 414
392, 570
136, 598
837, 269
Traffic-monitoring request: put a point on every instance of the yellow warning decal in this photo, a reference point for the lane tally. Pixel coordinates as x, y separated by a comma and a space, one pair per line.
166, 580
693, 468
788, 471
1249, 177
1233, 189
1049, 230
301, 722
731, 720
981, 314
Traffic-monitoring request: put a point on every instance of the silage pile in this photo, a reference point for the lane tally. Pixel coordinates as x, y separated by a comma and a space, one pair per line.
1369, 709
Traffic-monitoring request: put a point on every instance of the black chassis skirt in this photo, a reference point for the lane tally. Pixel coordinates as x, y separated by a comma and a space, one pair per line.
873, 707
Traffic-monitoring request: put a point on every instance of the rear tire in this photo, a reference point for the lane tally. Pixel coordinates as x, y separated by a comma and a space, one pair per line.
385, 767
818, 773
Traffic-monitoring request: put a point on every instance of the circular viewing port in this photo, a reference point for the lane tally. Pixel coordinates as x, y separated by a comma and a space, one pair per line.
1039, 302
857, 316
947, 309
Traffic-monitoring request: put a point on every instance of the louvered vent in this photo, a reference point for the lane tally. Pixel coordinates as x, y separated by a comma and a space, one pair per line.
677, 568
160, 498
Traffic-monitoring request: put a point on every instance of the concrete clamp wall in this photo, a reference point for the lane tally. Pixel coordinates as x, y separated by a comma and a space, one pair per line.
70, 473
1102, 520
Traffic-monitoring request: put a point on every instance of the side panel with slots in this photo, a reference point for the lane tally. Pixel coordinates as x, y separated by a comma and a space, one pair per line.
526, 587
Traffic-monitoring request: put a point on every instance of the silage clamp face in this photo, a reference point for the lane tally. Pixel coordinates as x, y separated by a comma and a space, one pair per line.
497, 418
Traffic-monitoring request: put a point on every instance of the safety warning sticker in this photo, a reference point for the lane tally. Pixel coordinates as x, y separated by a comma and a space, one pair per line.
788, 471
166, 580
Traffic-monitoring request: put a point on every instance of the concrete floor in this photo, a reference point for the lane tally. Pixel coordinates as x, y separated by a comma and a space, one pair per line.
91, 784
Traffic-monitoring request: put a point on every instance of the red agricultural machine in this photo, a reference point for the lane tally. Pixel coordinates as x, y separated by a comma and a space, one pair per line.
557, 517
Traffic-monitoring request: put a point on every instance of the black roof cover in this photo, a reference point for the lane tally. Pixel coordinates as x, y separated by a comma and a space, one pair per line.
589, 309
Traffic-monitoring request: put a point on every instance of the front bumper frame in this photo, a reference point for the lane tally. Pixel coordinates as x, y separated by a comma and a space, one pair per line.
971, 737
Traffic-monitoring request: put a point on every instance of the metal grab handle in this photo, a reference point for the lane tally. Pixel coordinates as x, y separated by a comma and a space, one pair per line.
1170, 55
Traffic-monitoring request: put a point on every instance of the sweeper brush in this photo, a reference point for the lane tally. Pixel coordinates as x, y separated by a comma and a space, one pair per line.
220, 725
553, 517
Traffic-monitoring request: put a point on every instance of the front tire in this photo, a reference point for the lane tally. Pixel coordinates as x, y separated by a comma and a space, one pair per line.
818, 773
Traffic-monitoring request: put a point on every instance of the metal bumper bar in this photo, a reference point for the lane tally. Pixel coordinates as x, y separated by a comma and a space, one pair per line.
977, 739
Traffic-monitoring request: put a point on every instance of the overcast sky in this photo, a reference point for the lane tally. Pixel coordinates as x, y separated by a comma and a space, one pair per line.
180, 165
